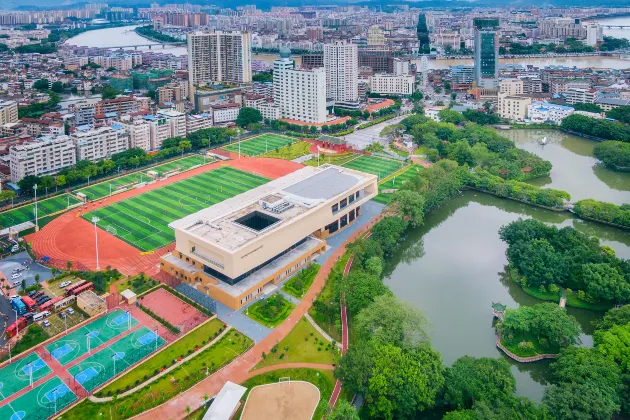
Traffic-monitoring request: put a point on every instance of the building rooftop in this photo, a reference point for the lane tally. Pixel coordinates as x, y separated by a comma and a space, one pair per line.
235, 222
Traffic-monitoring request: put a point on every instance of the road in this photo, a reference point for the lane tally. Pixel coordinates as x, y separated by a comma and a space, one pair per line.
360, 139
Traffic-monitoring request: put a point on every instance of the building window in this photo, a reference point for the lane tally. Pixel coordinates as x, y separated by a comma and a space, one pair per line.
344, 220
333, 227
351, 199
344, 203
335, 208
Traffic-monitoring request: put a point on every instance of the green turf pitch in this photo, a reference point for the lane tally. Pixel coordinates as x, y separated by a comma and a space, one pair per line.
396, 182
44, 208
119, 356
374, 165
103, 189
16, 376
39, 403
75, 344
142, 221
261, 144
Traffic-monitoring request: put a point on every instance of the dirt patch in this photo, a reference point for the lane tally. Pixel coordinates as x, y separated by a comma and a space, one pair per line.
295, 400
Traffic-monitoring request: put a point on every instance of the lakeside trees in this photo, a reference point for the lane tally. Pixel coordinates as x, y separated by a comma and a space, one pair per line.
604, 129
615, 154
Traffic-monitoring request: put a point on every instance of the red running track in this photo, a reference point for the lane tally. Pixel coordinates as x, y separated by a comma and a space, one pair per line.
71, 238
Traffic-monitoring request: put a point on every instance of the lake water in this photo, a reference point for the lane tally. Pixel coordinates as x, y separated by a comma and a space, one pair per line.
453, 267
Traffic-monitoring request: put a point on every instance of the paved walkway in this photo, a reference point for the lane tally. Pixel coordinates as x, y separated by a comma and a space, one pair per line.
238, 370
319, 329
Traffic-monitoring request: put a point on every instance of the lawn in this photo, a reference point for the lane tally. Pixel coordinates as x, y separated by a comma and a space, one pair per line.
290, 151
272, 311
322, 379
297, 285
303, 344
399, 152
339, 159
326, 310
125, 182
138, 284
374, 165
396, 182
142, 221
232, 345
259, 145
34, 336
165, 358
528, 350
44, 208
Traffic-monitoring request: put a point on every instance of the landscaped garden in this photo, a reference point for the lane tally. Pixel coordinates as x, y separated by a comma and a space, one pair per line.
230, 346
272, 311
138, 284
303, 344
290, 151
300, 283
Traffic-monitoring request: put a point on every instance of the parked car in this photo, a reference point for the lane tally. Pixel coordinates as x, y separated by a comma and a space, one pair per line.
13, 297
70, 311
46, 323
16, 276
29, 316
62, 315
65, 284
31, 293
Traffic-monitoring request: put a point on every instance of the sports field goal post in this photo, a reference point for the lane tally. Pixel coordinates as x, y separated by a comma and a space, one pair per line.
284, 379
111, 229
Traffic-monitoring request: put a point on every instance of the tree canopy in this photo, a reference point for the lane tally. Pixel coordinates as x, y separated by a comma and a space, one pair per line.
247, 116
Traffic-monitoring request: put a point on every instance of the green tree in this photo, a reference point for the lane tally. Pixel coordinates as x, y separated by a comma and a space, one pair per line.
577, 401
343, 411
410, 205
449, 116
57, 87
109, 93
26, 183
605, 282
247, 116
621, 113
388, 233
471, 379
361, 289
41, 84
616, 316
7, 195
355, 367
614, 344
388, 320
588, 107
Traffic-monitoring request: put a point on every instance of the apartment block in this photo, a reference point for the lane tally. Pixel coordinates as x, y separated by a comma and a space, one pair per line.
176, 121
391, 84
121, 106
514, 108
139, 131
223, 113
42, 156
511, 87
8, 112
341, 63
84, 112
160, 130
198, 122
100, 143
575, 95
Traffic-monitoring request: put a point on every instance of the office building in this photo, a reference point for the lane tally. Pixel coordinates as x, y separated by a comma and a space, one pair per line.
486, 33
342, 71
219, 57
43, 156
8, 112
594, 34
391, 84
461, 75
380, 61
300, 94
513, 108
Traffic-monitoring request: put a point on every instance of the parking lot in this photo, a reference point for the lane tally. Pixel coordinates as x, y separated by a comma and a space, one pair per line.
57, 325
8, 264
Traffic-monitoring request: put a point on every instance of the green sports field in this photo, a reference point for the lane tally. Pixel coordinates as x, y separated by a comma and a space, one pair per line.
16, 376
119, 356
261, 144
102, 189
75, 344
44, 208
374, 165
142, 221
39, 403
396, 182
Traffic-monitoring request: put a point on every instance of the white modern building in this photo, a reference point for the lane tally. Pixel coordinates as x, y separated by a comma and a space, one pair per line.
514, 108
219, 57
198, 122
44, 156
576, 95
300, 94
341, 61
543, 112
176, 121
160, 130
594, 34
139, 131
99, 143
224, 113
269, 111
8, 112
391, 84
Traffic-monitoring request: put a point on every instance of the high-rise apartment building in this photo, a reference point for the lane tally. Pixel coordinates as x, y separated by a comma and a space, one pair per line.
219, 57
300, 94
43, 156
375, 36
342, 71
8, 112
594, 34
99, 143
486, 32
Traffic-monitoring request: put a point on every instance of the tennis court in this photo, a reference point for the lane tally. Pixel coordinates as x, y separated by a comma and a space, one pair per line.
90, 336
142, 221
44, 208
259, 145
16, 376
41, 402
374, 165
396, 182
123, 183
119, 356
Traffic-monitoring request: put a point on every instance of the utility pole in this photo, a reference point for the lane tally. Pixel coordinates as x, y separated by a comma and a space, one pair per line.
36, 223
96, 220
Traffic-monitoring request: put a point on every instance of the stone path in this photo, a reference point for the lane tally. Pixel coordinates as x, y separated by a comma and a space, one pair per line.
319, 329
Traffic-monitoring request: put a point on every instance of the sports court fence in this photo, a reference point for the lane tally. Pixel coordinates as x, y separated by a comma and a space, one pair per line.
50, 409
194, 294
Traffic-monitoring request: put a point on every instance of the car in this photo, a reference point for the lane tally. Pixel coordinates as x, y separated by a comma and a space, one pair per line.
16, 276
46, 323
44, 300
17, 283
65, 284
29, 315
31, 293
62, 315
70, 311
12, 297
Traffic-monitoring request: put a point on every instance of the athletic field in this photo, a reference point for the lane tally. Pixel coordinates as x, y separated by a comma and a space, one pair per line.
41, 402
142, 221
396, 183
16, 376
125, 182
374, 165
44, 208
117, 357
75, 344
261, 144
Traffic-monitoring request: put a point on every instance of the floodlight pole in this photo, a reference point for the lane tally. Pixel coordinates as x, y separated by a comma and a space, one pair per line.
17, 324
55, 398
110, 189
114, 364
95, 220
65, 324
30, 374
9, 343
156, 338
36, 223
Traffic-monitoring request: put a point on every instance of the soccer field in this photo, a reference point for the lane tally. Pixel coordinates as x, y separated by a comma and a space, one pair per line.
142, 221
261, 144
396, 182
97, 332
374, 165
103, 189
119, 356
44, 208
41, 402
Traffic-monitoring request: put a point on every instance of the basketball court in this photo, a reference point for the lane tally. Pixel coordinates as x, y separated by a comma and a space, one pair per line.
16, 376
285, 400
119, 356
174, 310
90, 336
41, 402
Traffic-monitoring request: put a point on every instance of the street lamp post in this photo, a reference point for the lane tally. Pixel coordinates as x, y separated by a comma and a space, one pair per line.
95, 220
36, 223
17, 324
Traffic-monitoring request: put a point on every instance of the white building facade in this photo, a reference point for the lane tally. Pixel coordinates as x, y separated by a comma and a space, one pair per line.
341, 61
43, 156
544, 112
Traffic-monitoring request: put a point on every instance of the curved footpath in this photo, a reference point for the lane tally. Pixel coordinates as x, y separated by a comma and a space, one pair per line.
239, 370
